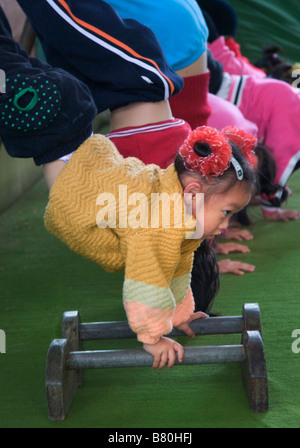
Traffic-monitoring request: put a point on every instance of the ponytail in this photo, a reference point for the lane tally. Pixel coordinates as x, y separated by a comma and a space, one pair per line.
275, 66
205, 282
271, 194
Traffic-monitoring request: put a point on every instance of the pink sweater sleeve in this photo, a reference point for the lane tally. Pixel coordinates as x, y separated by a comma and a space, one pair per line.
232, 64
184, 310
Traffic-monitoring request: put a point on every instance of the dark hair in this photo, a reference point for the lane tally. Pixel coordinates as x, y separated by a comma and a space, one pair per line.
271, 194
205, 281
275, 66
266, 173
228, 179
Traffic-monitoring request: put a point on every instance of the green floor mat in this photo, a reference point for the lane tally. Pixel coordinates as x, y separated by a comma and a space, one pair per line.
262, 23
41, 278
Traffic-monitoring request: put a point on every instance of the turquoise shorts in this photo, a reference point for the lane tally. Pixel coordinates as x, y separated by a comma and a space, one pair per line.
179, 26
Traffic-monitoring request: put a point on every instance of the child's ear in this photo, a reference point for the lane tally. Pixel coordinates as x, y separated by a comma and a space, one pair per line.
193, 187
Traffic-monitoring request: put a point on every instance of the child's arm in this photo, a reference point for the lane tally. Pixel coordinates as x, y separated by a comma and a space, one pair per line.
159, 298
180, 286
231, 64
165, 350
151, 294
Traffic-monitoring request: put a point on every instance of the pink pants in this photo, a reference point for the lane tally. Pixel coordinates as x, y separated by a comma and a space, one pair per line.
225, 114
274, 106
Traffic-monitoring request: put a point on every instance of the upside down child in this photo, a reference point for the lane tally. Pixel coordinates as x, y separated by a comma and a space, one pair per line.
47, 114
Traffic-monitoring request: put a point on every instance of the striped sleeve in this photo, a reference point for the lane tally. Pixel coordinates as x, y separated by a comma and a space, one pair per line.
149, 301
180, 286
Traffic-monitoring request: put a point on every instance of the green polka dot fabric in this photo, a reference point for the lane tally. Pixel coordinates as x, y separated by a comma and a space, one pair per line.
30, 104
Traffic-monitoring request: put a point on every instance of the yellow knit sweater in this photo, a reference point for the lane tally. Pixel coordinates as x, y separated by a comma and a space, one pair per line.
103, 207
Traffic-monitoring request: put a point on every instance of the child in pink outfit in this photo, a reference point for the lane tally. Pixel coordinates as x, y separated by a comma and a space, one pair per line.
275, 107
224, 114
231, 63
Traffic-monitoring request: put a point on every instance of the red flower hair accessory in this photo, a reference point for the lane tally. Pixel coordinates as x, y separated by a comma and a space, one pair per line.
246, 143
213, 164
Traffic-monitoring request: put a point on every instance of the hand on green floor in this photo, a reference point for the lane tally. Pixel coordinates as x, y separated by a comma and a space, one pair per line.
226, 248
234, 267
235, 233
282, 215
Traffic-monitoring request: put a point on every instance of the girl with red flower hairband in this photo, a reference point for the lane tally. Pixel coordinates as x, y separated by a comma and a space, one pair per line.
219, 142
246, 142
171, 274
157, 259
221, 165
215, 163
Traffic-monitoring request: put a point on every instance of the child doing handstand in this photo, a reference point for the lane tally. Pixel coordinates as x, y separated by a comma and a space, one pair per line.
46, 113
157, 259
